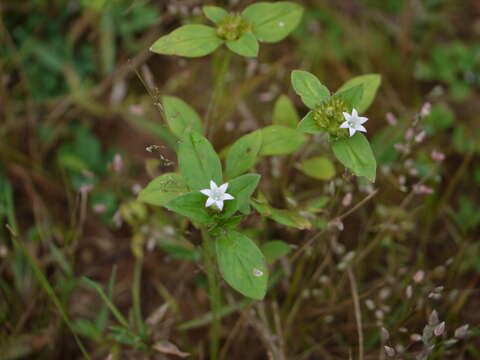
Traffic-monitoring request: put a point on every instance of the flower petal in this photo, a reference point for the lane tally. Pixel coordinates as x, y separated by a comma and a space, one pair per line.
351, 131
354, 113
346, 116
362, 120
207, 192
227, 197
361, 128
345, 125
209, 202
213, 185
219, 204
223, 187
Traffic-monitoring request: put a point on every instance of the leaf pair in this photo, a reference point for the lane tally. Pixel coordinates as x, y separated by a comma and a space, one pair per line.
358, 93
263, 21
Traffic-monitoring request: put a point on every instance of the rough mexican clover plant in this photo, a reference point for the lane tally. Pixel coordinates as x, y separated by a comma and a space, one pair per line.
215, 198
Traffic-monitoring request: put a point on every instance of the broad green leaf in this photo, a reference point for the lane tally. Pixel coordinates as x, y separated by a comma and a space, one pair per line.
214, 13
289, 218
370, 83
246, 45
242, 154
309, 125
241, 188
272, 22
284, 113
352, 96
318, 167
189, 41
242, 264
180, 116
317, 205
355, 153
198, 161
309, 88
191, 205
278, 140
282, 216
274, 250
163, 189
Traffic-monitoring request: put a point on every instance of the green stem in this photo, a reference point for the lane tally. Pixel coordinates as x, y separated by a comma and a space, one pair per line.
137, 308
214, 294
222, 65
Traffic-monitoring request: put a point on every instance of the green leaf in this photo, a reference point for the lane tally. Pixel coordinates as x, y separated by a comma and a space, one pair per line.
163, 189
309, 88
191, 205
274, 250
309, 125
285, 217
180, 116
318, 167
189, 41
352, 96
241, 188
242, 154
278, 140
198, 161
246, 45
289, 218
284, 113
214, 13
272, 22
371, 83
242, 264
355, 153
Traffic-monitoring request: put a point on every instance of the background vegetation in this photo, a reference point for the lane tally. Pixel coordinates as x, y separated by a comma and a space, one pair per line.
86, 269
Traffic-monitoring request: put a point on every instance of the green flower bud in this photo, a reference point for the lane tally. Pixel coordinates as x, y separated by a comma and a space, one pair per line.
329, 116
232, 27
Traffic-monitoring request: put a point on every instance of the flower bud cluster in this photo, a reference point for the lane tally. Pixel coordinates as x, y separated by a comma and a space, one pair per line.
329, 116
232, 27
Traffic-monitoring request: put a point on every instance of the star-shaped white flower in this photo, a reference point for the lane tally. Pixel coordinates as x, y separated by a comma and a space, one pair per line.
216, 195
353, 122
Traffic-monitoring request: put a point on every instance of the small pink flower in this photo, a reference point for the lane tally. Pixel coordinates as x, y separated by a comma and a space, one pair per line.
437, 156
118, 163
419, 276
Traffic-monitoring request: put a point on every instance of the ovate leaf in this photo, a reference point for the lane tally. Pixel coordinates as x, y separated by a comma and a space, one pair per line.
370, 84
318, 167
284, 113
191, 205
278, 140
214, 13
355, 153
272, 22
274, 250
289, 218
242, 264
246, 45
352, 96
180, 116
189, 41
163, 189
309, 88
241, 188
198, 161
309, 125
243, 154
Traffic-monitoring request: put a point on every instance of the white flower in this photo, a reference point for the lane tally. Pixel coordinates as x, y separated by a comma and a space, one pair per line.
216, 195
353, 122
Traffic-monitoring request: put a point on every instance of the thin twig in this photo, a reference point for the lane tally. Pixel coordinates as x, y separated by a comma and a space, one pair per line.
358, 314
